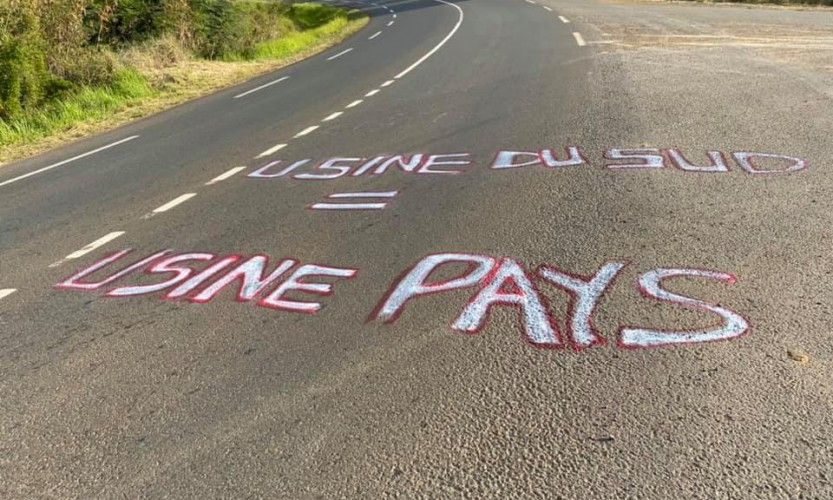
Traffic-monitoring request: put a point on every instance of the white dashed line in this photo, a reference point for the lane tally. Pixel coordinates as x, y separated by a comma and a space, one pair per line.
389, 82
365, 194
306, 131
279, 80
354, 103
225, 175
374, 35
530, 1
6, 292
171, 204
393, 16
439, 45
333, 116
340, 54
271, 150
64, 162
564, 20
549, 9
390, 23
579, 40
89, 248
348, 206
372, 93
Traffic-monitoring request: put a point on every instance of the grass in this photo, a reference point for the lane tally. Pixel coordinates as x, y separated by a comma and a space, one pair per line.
141, 92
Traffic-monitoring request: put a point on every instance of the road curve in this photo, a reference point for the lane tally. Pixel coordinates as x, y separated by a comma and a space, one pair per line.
322, 384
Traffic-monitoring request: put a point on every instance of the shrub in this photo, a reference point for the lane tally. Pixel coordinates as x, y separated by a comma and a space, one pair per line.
23, 72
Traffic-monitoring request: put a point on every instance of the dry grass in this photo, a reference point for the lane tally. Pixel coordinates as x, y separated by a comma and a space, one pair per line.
178, 78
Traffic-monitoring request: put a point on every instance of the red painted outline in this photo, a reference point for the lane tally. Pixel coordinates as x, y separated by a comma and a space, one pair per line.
317, 168
419, 171
399, 277
81, 274
151, 270
331, 291
758, 171
599, 339
674, 165
238, 294
565, 149
627, 166
519, 310
732, 280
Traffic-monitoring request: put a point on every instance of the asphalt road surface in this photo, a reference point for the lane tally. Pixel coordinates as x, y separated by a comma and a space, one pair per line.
428, 334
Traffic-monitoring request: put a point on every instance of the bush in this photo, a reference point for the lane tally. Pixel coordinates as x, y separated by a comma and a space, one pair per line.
23, 74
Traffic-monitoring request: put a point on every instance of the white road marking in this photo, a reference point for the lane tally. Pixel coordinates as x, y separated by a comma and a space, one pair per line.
439, 45
64, 162
225, 175
564, 20
348, 206
393, 16
579, 40
549, 9
306, 131
89, 248
340, 54
333, 116
389, 82
365, 194
354, 103
279, 80
374, 35
390, 23
271, 150
171, 204
530, 1
372, 93
6, 292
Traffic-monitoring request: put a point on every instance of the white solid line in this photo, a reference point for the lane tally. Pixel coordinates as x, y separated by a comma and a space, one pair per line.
436, 47
390, 23
389, 82
305, 131
271, 150
225, 175
547, 8
64, 162
354, 103
340, 54
176, 201
279, 80
579, 40
333, 116
564, 20
372, 93
365, 194
348, 206
92, 246
6, 292
374, 35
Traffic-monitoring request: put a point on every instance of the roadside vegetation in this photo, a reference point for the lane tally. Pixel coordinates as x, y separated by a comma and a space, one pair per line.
70, 67
774, 2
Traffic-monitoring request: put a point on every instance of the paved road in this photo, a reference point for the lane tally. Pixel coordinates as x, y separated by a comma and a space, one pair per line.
385, 359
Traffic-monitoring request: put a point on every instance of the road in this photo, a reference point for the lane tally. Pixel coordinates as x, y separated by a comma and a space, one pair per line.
708, 373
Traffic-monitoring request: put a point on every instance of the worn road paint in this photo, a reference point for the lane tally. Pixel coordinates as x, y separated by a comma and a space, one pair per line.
547, 8
306, 131
225, 175
171, 204
372, 93
5, 292
579, 39
272, 150
94, 245
354, 103
374, 35
333, 116
387, 83
68, 160
339, 54
564, 19
265, 85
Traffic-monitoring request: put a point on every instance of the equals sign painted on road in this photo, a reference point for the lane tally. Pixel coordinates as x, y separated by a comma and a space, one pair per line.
352, 201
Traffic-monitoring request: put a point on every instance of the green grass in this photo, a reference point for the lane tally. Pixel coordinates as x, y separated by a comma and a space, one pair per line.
309, 27
89, 103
